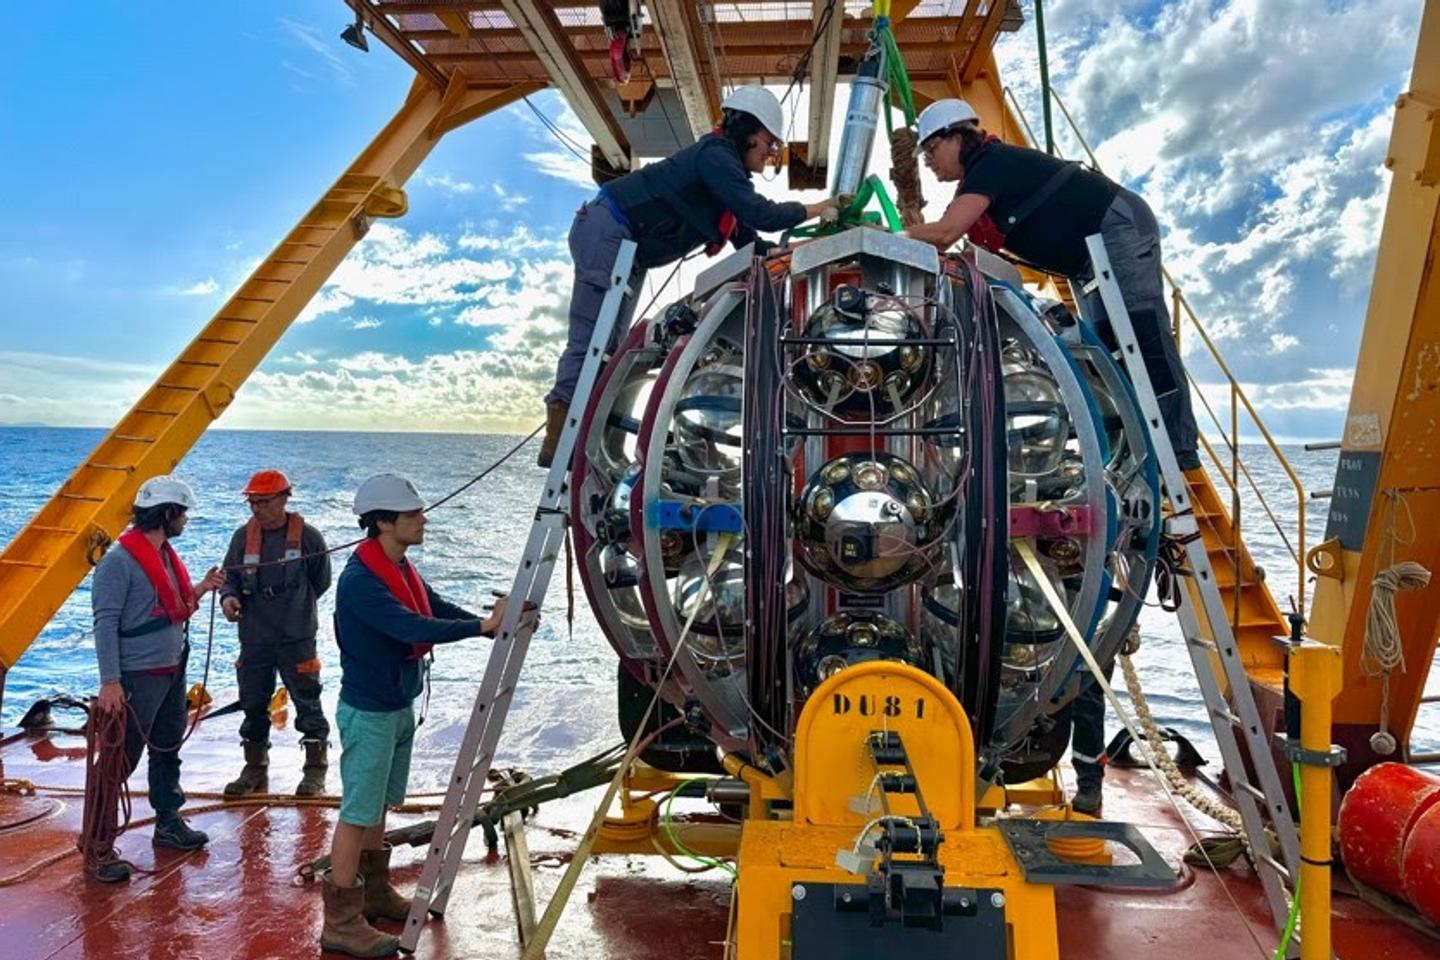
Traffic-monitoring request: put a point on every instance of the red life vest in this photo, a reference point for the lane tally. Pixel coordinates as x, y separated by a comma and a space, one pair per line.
404, 584
174, 596
294, 531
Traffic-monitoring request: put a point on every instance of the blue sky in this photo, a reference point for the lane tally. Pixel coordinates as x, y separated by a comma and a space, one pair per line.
152, 159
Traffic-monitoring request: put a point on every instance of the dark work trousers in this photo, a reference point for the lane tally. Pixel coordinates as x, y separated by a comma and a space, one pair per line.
1087, 736
299, 669
1132, 239
157, 705
595, 238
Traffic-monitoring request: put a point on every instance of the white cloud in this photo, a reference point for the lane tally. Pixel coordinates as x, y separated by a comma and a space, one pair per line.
365, 323
446, 183
393, 267
60, 389
482, 390
509, 202
201, 289
567, 153
1256, 129
311, 39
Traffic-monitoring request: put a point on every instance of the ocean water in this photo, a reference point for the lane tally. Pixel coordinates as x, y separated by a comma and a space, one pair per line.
472, 546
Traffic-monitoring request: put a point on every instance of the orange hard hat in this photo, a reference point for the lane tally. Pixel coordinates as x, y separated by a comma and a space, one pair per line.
267, 483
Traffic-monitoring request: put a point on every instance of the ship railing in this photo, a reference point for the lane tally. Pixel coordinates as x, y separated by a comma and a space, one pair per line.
1228, 442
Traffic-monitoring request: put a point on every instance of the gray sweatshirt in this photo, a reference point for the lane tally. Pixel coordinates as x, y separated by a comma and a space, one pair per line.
123, 599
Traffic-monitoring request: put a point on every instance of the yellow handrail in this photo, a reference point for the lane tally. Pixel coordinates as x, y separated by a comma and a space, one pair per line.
1237, 394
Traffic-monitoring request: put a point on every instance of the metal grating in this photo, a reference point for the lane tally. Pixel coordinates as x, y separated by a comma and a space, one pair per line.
754, 40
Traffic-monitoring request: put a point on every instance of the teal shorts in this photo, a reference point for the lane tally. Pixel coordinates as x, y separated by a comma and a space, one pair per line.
374, 761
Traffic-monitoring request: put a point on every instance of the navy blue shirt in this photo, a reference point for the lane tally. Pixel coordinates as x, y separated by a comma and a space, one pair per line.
674, 205
377, 634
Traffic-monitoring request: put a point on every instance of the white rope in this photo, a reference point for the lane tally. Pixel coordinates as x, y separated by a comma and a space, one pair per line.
1062, 613
1203, 801
1384, 651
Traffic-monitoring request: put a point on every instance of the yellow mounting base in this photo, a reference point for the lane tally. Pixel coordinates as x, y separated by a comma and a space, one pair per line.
776, 856
836, 797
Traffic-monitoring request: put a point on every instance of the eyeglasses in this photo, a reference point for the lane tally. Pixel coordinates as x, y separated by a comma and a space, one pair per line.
928, 148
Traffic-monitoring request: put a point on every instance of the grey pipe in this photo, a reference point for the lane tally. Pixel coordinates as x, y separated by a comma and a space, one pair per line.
869, 92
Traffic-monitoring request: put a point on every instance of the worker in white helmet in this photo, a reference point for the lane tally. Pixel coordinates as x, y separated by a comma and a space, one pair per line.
701, 196
387, 618
142, 600
1040, 209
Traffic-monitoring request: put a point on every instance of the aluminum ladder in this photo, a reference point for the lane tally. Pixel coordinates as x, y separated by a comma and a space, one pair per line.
507, 656
1255, 803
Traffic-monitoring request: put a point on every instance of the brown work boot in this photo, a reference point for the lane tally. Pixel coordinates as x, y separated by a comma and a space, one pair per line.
382, 901
555, 412
316, 763
253, 778
346, 930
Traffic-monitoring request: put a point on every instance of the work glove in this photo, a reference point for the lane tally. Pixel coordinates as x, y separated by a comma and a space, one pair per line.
831, 214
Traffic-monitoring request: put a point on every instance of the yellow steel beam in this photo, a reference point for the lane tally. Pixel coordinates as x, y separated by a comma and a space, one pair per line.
979, 55
55, 551
568, 73
686, 58
1386, 485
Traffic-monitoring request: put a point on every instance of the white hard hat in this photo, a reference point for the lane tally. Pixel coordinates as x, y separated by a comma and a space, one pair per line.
165, 489
942, 115
760, 104
387, 491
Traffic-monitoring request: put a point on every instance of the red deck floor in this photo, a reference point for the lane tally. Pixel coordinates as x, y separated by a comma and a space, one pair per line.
238, 899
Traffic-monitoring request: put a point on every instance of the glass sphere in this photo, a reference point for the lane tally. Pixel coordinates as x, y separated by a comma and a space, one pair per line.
850, 638
1037, 421
708, 417
866, 523
869, 380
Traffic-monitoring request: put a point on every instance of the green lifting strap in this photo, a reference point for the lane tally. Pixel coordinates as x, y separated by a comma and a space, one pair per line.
856, 215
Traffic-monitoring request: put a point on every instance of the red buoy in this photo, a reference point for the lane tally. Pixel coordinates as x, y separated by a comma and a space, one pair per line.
1420, 864
1376, 817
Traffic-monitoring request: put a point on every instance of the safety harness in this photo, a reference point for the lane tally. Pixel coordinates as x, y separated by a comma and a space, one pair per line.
987, 233
249, 574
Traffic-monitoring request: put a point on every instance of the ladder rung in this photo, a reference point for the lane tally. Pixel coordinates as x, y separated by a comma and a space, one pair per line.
154, 412
109, 466
1245, 786
132, 438
25, 563
81, 496
1266, 860
265, 300
226, 342
176, 386
231, 319
198, 363
47, 528
1227, 716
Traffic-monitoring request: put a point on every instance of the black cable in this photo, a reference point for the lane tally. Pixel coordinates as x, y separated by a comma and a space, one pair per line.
445, 499
821, 25
560, 135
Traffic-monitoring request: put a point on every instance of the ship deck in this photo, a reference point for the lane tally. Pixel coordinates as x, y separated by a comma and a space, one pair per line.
239, 897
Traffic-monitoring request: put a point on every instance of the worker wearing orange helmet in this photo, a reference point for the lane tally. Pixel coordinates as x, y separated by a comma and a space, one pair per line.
276, 569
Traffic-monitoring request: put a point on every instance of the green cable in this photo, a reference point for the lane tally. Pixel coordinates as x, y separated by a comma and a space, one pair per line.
675, 841
1294, 917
